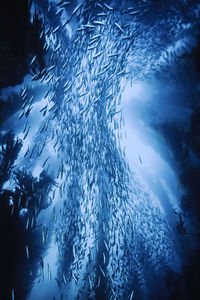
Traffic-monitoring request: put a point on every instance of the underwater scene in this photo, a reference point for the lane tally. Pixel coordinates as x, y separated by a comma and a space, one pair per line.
100, 150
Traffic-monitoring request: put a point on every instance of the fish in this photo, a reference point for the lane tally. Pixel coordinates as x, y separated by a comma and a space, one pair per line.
113, 54
66, 4
89, 26
104, 258
64, 279
95, 36
21, 115
97, 99
120, 73
44, 108
68, 99
102, 14
27, 223
26, 133
26, 152
98, 54
41, 34
131, 296
59, 11
49, 79
99, 23
67, 88
33, 59
83, 94
92, 42
47, 93
134, 12
45, 162
13, 294
93, 47
104, 275
56, 29
58, 283
27, 252
25, 127
108, 7
77, 8
51, 68
140, 159
77, 74
35, 77
57, 48
118, 26
80, 29
105, 245
24, 91
102, 72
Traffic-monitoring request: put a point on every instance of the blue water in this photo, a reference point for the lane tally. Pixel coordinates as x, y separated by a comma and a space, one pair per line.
109, 77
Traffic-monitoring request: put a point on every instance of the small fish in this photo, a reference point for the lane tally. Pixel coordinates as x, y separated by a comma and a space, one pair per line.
13, 294
47, 93
56, 29
74, 253
113, 54
26, 133
118, 26
66, 4
59, 11
34, 58
97, 99
21, 115
120, 73
58, 283
67, 88
102, 14
44, 108
69, 99
76, 9
89, 26
45, 162
35, 77
84, 93
27, 252
98, 54
64, 279
77, 74
104, 275
99, 23
57, 48
108, 7
140, 159
131, 296
95, 36
76, 280
93, 47
23, 92
25, 127
92, 41
51, 68
41, 34
106, 65
27, 223
80, 29
102, 72
104, 258
26, 152
99, 281
134, 12
49, 79
105, 245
